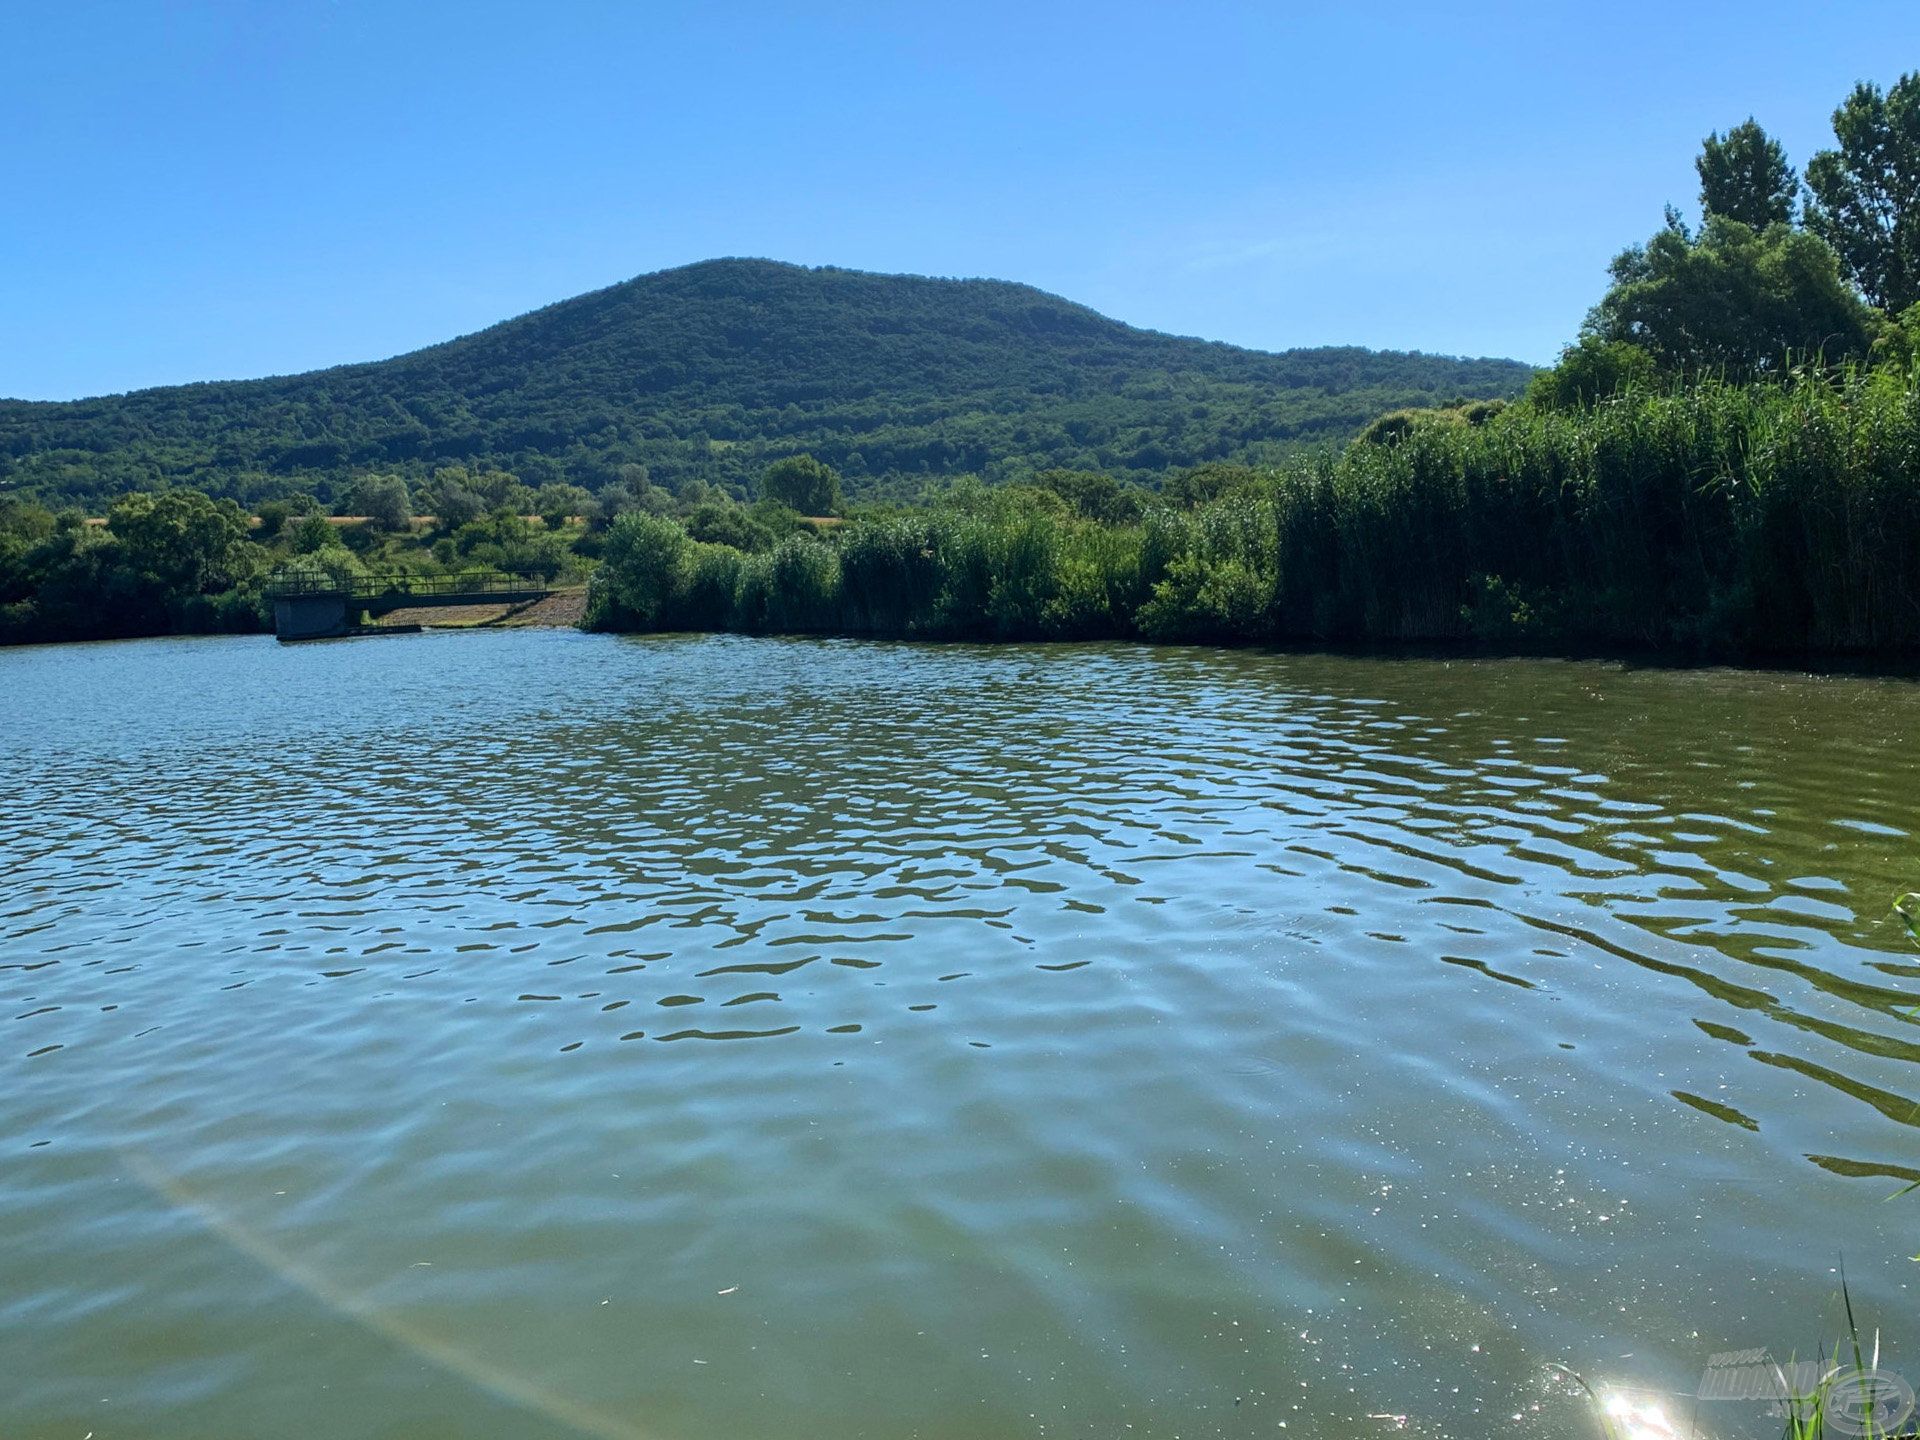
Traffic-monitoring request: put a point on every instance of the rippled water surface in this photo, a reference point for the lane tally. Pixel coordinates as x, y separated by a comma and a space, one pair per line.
533, 1034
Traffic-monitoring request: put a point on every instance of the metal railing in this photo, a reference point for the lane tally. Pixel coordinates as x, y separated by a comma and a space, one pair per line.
382, 586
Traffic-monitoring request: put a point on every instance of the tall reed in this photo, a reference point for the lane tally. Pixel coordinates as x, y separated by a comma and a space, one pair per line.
1782, 517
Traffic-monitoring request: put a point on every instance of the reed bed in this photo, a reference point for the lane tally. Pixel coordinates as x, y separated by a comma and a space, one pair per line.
1774, 517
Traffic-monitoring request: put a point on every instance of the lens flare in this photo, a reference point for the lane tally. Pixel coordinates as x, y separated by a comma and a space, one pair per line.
477, 1371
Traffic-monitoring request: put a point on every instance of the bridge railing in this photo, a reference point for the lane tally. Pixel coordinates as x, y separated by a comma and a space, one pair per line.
380, 586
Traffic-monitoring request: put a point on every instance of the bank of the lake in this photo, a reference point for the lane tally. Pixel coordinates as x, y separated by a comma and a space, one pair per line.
513, 1034
1699, 521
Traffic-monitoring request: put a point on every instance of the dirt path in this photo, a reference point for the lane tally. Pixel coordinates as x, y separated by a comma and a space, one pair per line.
444, 617
560, 610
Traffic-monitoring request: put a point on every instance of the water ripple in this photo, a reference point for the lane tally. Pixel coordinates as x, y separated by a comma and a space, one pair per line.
1180, 1040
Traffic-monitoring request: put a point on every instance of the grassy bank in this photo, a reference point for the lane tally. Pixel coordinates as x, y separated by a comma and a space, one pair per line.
1779, 516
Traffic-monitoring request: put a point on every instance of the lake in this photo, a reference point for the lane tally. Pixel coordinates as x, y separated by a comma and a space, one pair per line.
538, 1034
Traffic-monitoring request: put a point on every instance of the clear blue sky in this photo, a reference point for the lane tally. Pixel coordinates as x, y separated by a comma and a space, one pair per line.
213, 190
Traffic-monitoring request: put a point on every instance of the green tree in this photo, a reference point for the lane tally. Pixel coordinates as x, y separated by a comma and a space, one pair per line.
1207, 482
1594, 369
557, 503
501, 489
384, 500
717, 523
330, 563
613, 502
1866, 194
182, 542
274, 515
1095, 496
453, 500
1732, 299
1744, 176
802, 483
1899, 340
315, 533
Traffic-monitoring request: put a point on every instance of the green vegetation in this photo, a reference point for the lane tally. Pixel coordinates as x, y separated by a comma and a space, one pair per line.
1865, 195
802, 484
1779, 516
179, 562
1726, 461
706, 374
1744, 176
1733, 301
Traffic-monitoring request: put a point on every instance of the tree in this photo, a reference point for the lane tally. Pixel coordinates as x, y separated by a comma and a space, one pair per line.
1207, 482
1732, 299
620, 499
182, 542
802, 483
274, 515
1744, 176
1594, 369
384, 500
1899, 340
716, 523
1865, 196
331, 563
315, 533
556, 503
454, 505
1094, 495
499, 489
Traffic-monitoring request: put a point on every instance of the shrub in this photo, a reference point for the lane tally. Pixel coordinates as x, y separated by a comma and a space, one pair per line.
638, 581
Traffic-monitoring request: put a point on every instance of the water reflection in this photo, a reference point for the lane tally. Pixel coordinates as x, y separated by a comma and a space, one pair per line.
1188, 1041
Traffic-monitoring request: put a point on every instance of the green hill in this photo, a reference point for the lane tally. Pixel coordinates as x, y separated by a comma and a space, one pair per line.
714, 369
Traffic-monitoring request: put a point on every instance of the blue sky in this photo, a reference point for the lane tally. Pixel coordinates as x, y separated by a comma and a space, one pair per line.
215, 190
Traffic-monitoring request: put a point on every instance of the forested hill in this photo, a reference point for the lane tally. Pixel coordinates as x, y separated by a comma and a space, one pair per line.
711, 370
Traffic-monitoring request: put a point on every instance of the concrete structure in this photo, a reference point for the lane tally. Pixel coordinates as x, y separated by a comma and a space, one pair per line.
321, 607
309, 617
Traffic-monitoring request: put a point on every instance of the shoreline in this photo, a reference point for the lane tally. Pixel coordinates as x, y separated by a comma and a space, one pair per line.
1898, 666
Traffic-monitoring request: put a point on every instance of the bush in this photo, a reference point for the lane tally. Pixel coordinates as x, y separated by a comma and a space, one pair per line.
638, 581
1591, 371
720, 523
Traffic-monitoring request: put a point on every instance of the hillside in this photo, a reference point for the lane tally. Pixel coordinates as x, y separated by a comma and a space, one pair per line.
711, 370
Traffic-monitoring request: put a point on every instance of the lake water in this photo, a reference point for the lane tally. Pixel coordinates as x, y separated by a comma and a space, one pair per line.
533, 1034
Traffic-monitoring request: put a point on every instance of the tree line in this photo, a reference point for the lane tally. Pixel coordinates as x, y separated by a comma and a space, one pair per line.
181, 561
707, 374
